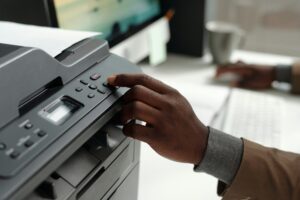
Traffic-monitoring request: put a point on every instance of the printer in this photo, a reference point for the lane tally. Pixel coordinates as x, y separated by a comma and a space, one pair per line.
58, 138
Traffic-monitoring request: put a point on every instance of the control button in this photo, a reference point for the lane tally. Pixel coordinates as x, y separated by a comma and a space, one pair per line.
79, 89
28, 126
28, 143
15, 154
84, 82
91, 95
101, 91
93, 87
2, 146
95, 77
105, 84
41, 133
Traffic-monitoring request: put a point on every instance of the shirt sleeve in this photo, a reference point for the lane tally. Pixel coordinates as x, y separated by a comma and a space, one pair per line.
223, 156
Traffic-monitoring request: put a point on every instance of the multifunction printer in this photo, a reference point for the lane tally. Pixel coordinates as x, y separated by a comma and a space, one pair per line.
58, 138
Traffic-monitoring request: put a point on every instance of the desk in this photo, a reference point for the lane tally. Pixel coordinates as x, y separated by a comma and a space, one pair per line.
164, 179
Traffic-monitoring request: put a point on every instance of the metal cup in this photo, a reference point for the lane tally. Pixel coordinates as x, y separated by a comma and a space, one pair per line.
223, 39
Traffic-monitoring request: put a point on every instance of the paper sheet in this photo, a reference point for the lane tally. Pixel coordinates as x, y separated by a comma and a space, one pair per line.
157, 44
51, 40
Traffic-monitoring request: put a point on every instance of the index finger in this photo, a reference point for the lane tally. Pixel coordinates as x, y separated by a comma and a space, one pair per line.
130, 80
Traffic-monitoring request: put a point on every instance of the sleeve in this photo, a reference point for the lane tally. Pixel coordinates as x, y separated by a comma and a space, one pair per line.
283, 73
222, 157
264, 173
296, 78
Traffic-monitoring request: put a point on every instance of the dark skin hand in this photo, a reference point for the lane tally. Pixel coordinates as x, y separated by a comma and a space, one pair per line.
172, 128
255, 77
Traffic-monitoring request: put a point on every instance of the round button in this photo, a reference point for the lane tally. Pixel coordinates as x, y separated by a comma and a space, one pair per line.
93, 87
2, 146
41, 133
79, 89
91, 96
28, 126
28, 143
15, 154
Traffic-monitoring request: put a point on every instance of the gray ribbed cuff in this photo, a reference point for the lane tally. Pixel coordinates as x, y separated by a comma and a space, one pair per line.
283, 73
222, 157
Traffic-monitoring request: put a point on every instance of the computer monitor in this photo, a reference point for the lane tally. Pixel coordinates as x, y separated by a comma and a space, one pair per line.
126, 24
118, 20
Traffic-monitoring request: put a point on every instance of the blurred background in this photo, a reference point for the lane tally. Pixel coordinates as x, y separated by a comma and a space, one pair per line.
271, 25
184, 43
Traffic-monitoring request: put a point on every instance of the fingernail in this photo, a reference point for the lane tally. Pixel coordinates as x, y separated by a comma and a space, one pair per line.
111, 79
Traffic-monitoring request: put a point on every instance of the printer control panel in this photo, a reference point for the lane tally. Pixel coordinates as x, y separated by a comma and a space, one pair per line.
28, 136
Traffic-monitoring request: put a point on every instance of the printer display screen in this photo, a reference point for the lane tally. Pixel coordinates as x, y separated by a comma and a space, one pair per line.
60, 110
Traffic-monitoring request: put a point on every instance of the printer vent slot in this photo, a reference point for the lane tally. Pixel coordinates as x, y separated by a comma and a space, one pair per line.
39, 95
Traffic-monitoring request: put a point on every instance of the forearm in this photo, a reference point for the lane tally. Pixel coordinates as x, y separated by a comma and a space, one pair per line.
265, 173
246, 169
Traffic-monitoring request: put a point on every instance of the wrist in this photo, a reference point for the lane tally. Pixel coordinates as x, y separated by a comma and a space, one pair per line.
273, 73
202, 146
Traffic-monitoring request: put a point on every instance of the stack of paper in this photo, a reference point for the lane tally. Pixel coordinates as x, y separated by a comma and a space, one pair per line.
51, 40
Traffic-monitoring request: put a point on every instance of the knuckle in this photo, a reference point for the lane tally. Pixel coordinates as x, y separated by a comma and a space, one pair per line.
143, 78
135, 107
168, 105
136, 91
120, 78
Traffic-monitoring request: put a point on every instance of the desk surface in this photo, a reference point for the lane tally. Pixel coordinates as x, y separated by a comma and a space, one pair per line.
164, 179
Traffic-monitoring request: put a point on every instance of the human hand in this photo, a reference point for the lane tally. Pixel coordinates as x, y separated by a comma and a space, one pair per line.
172, 128
250, 76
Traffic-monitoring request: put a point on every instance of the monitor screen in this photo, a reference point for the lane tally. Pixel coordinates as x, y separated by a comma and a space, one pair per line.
116, 19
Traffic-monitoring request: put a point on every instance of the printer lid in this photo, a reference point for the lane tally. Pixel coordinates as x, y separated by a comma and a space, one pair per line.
6, 49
